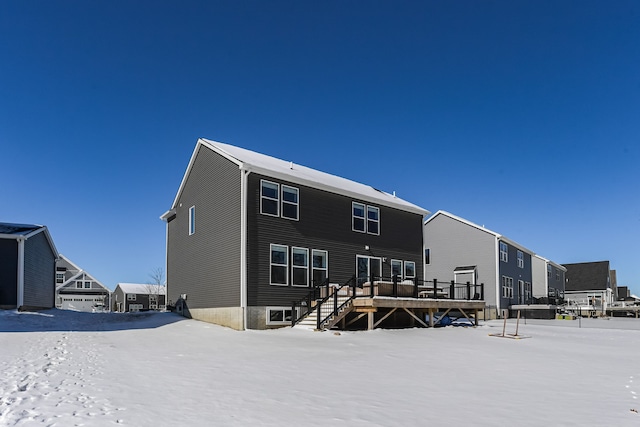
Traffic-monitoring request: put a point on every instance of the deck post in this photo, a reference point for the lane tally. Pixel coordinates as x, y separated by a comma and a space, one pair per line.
318, 314
370, 321
435, 288
468, 291
395, 285
415, 287
482, 291
371, 283
452, 290
293, 314
431, 318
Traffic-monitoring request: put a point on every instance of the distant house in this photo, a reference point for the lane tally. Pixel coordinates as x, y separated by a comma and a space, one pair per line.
138, 297
27, 267
458, 250
548, 281
589, 286
247, 234
77, 290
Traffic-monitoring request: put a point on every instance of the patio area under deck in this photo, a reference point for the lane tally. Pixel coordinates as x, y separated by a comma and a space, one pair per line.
416, 308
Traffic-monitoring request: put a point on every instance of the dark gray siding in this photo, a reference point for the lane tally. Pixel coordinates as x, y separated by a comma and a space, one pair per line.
8, 272
556, 281
39, 272
511, 269
206, 265
325, 223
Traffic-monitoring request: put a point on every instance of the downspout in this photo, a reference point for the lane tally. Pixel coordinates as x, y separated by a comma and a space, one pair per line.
243, 245
498, 283
20, 296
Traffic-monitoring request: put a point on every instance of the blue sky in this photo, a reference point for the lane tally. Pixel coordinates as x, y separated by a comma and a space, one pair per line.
520, 116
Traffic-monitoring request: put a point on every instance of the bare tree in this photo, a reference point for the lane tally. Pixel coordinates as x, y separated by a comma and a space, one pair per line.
156, 288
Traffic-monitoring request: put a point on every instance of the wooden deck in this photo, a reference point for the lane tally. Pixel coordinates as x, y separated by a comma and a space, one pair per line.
377, 309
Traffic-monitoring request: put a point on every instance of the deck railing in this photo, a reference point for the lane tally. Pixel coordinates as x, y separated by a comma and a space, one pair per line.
328, 300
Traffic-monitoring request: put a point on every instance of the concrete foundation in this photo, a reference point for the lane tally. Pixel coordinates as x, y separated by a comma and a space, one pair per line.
231, 317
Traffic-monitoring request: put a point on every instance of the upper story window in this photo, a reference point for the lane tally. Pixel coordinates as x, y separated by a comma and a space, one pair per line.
269, 198
290, 206
365, 219
192, 220
548, 271
131, 297
279, 200
79, 284
87, 285
427, 256
504, 254
59, 277
373, 220
520, 259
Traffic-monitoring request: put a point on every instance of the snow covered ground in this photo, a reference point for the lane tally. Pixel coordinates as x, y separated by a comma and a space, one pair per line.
154, 369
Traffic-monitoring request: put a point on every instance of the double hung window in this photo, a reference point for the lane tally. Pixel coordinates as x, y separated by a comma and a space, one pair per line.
520, 259
409, 270
290, 206
365, 219
504, 252
320, 266
279, 264
269, 198
300, 266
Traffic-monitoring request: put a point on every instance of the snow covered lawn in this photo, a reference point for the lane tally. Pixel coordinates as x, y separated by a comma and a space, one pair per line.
154, 369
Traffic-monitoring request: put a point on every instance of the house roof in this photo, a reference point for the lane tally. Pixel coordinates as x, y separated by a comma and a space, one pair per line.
587, 276
292, 172
479, 227
25, 231
141, 288
558, 266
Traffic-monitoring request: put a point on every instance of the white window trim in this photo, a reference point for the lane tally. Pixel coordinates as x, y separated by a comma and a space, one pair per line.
283, 321
405, 270
325, 269
283, 202
285, 265
378, 276
262, 197
192, 220
401, 275
507, 287
353, 217
520, 259
87, 283
79, 284
504, 255
377, 221
293, 267
131, 297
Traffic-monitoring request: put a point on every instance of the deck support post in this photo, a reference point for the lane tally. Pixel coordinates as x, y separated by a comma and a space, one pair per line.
431, 323
370, 321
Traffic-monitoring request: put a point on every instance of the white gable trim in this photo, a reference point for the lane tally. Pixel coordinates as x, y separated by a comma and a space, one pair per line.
385, 199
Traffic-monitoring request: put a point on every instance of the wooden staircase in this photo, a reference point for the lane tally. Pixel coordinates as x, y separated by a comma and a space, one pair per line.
310, 321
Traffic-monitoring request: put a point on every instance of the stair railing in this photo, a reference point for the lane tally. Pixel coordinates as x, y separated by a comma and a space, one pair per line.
331, 303
305, 304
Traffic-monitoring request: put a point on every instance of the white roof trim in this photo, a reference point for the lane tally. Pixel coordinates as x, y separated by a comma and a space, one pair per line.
558, 266
141, 288
292, 172
471, 224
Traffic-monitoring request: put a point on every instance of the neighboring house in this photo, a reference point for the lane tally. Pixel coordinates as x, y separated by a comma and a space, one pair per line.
27, 267
138, 297
461, 251
548, 281
589, 286
624, 294
77, 290
247, 234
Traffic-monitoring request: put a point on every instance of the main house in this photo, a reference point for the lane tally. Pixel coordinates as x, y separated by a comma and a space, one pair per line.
461, 251
77, 290
27, 267
247, 234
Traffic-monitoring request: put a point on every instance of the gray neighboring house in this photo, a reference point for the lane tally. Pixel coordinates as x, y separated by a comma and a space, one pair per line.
138, 297
247, 234
459, 250
590, 287
548, 281
27, 267
77, 290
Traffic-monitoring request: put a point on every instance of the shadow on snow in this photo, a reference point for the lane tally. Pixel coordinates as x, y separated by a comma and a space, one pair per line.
65, 320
